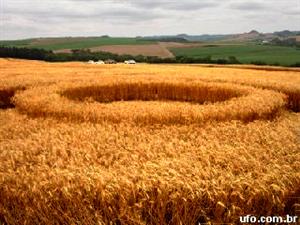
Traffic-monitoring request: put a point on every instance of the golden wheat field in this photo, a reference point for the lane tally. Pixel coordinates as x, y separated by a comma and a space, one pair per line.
146, 144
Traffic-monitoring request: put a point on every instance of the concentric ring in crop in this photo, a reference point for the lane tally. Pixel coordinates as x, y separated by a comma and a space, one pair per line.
150, 102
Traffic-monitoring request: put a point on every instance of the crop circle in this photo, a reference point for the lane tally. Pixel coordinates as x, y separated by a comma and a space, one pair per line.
151, 102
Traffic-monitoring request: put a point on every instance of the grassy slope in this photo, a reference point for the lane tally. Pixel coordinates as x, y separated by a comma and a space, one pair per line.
18, 43
245, 53
73, 43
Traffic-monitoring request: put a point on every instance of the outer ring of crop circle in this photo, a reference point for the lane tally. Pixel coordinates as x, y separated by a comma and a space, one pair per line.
251, 104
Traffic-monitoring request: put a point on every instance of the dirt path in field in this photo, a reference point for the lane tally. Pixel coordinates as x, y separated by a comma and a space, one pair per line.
146, 50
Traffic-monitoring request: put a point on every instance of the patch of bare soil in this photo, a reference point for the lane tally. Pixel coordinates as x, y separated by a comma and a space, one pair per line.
146, 50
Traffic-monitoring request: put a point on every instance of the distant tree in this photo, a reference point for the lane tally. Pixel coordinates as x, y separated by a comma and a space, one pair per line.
292, 42
233, 60
259, 63
24, 53
297, 64
221, 61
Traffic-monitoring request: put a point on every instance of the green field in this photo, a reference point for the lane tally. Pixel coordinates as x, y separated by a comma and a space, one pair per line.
245, 53
73, 43
248, 53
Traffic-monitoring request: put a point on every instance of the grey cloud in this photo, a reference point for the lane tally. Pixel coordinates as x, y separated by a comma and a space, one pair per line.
27, 18
174, 5
248, 6
90, 10
292, 12
162, 4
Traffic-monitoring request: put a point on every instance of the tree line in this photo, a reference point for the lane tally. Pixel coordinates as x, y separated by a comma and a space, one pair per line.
289, 42
86, 55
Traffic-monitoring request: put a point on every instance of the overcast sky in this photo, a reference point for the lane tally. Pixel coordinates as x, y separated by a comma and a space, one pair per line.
44, 18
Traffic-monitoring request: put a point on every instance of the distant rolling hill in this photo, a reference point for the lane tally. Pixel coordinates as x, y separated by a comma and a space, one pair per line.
243, 37
59, 43
117, 45
74, 42
282, 47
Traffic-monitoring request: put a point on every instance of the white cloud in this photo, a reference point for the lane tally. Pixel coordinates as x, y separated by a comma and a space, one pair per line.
28, 18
